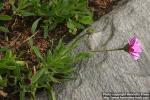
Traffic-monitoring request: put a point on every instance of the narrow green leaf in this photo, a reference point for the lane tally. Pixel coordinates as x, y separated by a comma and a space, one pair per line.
37, 76
3, 29
49, 55
9, 54
3, 66
34, 25
86, 20
22, 92
53, 94
3, 83
11, 2
60, 46
5, 17
3, 49
45, 32
31, 42
26, 13
37, 52
50, 91
1, 5
72, 27
53, 79
35, 49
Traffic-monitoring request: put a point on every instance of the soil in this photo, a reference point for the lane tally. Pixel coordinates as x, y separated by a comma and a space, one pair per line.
20, 28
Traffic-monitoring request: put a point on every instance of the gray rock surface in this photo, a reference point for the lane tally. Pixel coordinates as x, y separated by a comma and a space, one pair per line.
113, 71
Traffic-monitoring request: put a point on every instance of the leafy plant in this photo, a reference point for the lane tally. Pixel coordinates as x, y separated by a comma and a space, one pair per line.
74, 13
56, 66
21, 8
10, 68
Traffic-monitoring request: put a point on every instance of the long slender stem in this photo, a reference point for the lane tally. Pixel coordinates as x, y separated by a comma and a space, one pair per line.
107, 50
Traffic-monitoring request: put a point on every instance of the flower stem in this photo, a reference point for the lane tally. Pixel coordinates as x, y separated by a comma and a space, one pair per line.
107, 50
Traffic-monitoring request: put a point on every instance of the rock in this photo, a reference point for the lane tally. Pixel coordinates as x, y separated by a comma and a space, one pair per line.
113, 71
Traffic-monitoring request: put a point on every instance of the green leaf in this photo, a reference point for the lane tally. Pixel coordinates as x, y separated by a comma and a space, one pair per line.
53, 79
3, 83
31, 42
72, 27
37, 76
49, 56
34, 25
22, 92
37, 52
53, 94
26, 13
3, 29
50, 91
44, 79
5, 17
45, 32
3, 49
17, 73
86, 20
8, 54
8, 62
1, 5
2, 66
59, 47
22, 4
12, 2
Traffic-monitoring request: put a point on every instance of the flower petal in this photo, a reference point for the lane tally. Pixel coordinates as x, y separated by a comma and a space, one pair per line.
136, 48
135, 56
132, 40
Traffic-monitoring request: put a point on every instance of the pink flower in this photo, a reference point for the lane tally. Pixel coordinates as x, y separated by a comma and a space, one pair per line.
134, 48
